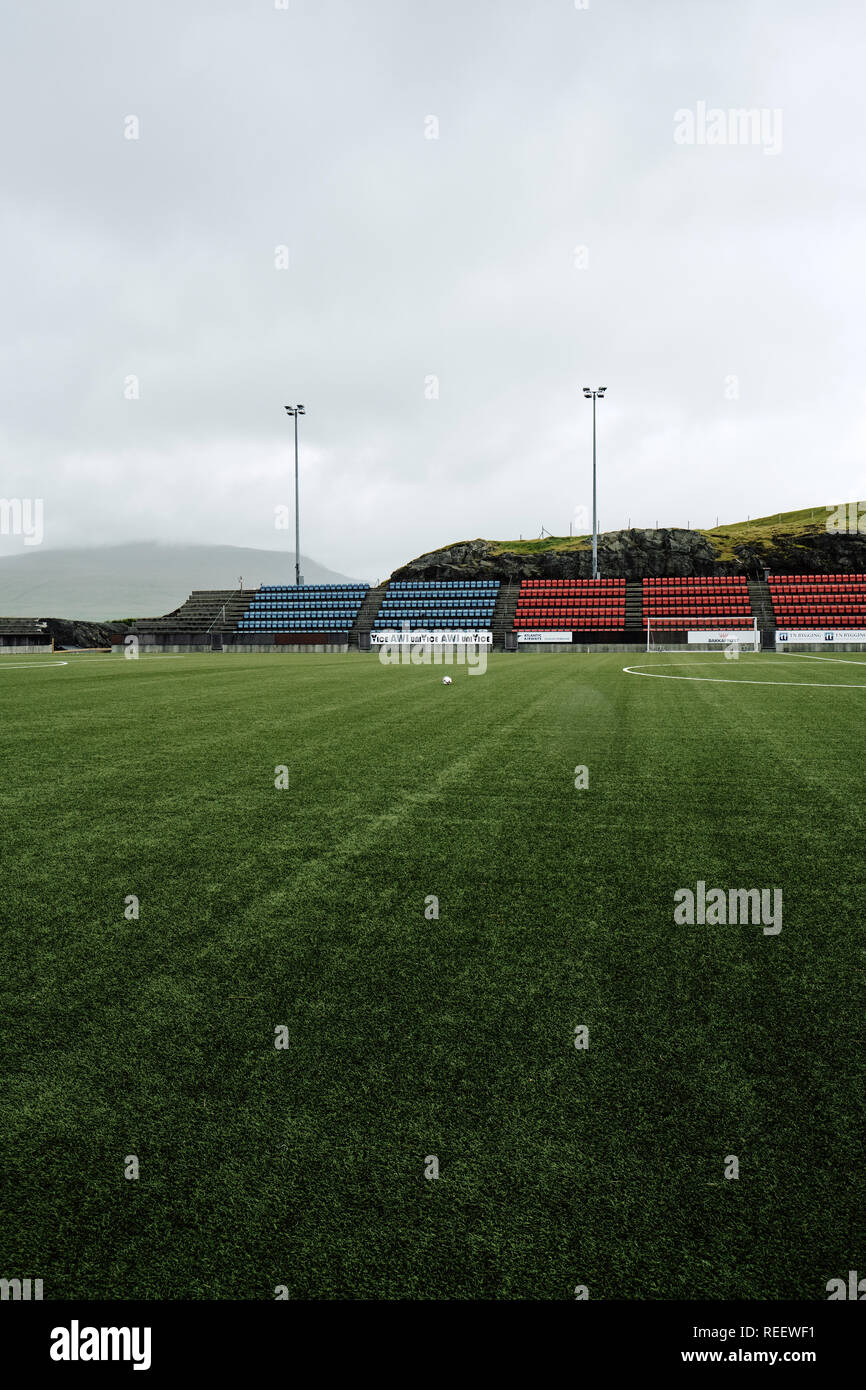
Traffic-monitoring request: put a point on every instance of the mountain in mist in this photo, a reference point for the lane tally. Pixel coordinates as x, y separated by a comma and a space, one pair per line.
140, 580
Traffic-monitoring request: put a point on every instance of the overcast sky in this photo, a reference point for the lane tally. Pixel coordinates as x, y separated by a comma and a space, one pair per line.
558, 232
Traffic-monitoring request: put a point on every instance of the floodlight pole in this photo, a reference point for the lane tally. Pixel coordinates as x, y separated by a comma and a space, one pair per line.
594, 513
296, 410
599, 392
297, 513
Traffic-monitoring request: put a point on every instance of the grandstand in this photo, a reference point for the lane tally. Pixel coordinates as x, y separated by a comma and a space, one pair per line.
693, 603
591, 605
819, 600
304, 608
615, 610
612, 612
24, 635
466, 604
206, 610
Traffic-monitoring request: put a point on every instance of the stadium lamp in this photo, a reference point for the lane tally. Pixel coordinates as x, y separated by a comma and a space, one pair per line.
591, 396
296, 410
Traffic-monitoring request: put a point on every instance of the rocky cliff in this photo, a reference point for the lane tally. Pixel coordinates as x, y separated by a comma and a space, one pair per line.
69, 633
639, 554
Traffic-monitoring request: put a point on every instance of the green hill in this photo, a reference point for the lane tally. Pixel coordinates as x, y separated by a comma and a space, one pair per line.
807, 521
813, 540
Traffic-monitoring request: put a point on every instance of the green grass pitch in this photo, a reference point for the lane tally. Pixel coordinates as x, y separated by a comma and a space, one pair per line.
411, 1036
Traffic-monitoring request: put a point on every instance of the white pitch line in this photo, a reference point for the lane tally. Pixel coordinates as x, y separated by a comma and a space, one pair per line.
129, 660
30, 665
89, 661
725, 680
804, 656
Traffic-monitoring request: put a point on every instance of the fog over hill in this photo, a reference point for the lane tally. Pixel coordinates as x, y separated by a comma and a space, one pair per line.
141, 580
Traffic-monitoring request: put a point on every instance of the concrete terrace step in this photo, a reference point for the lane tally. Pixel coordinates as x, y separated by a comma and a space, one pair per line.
203, 612
633, 604
502, 621
367, 614
762, 604
23, 627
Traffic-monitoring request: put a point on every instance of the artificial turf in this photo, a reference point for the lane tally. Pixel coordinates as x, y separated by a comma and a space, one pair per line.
412, 1035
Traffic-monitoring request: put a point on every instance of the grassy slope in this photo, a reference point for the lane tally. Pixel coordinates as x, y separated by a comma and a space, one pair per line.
761, 528
537, 547
412, 1037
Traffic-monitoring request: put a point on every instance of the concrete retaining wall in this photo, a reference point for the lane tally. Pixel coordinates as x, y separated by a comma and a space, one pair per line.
153, 649
582, 647
43, 649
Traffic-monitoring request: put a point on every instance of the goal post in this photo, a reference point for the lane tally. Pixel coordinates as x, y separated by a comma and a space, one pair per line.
721, 638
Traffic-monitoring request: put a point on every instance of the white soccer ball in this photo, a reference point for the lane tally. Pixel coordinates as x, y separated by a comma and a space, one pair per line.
446, 680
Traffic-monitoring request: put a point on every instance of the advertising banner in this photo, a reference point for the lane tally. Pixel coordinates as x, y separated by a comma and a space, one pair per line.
820, 634
441, 637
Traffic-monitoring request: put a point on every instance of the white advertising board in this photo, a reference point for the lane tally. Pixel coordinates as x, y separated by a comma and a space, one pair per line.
438, 638
721, 637
821, 634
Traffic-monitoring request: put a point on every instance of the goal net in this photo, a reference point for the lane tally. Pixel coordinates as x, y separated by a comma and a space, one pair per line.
663, 637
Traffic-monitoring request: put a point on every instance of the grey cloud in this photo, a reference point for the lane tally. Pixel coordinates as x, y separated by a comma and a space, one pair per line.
411, 257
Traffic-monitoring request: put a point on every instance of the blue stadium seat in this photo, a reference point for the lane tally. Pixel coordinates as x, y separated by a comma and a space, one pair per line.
304, 608
431, 603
